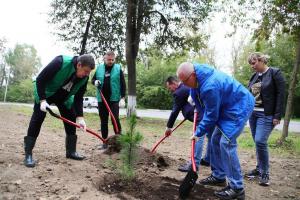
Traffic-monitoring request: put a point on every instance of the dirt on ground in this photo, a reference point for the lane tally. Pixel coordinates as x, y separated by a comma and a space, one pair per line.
56, 177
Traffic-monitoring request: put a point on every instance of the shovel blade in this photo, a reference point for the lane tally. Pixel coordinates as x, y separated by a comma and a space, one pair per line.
188, 183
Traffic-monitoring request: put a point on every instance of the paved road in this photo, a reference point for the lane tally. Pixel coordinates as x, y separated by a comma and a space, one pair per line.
163, 114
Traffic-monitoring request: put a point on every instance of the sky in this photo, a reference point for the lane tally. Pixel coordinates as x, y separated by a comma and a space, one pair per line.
25, 21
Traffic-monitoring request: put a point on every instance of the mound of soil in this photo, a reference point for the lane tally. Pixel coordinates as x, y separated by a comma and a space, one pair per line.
148, 183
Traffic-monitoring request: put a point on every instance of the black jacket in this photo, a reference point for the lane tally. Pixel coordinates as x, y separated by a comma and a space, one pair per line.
272, 91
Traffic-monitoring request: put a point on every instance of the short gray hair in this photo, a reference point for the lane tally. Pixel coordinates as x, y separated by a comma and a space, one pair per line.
258, 56
86, 60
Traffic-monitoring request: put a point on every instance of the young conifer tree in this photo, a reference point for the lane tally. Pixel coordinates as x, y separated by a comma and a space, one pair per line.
129, 142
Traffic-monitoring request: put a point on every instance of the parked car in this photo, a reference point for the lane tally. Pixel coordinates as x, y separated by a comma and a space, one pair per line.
89, 102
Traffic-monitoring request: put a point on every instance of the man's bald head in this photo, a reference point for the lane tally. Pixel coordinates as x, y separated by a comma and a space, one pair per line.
184, 70
186, 74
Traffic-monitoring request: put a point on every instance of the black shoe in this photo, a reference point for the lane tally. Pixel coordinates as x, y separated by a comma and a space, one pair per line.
204, 163
229, 193
211, 180
264, 180
75, 156
186, 167
253, 173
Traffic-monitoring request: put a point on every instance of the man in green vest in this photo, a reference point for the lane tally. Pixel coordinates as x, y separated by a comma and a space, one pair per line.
63, 83
109, 78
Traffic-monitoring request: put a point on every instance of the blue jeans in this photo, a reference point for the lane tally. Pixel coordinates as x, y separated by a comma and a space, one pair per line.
208, 150
198, 151
224, 159
261, 127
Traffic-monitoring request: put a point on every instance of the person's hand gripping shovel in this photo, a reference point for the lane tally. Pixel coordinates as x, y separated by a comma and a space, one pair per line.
165, 136
192, 176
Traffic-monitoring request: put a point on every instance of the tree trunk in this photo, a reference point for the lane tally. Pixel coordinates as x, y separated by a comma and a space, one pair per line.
291, 93
87, 28
134, 22
130, 22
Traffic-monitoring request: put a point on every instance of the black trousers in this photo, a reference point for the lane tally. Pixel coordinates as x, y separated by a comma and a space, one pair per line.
38, 118
103, 113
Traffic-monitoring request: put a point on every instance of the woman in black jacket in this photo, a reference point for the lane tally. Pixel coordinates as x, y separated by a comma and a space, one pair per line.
268, 87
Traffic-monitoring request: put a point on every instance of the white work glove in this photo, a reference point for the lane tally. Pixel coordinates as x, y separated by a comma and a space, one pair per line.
194, 137
44, 105
122, 103
81, 122
191, 101
97, 83
168, 132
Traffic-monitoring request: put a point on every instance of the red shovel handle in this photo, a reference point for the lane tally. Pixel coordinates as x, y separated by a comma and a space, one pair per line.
164, 137
109, 110
193, 142
74, 124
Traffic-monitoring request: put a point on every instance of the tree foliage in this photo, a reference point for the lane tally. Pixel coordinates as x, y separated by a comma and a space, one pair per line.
94, 26
153, 68
98, 26
23, 61
21, 92
166, 21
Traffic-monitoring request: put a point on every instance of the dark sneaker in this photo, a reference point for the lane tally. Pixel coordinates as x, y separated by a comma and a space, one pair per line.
211, 180
103, 147
264, 180
253, 173
204, 163
229, 193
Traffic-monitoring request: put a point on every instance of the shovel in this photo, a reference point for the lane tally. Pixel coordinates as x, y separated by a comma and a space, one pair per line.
74, 124
164, 137
109, 110
192, 176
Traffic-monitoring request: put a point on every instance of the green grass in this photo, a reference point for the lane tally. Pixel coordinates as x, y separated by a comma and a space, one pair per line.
154, 128
296, 119
290, 146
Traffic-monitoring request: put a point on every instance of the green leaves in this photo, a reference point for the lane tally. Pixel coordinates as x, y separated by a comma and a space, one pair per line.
23, 61
105, 29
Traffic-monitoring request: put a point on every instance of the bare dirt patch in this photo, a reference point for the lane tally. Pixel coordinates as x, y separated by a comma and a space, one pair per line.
56, 177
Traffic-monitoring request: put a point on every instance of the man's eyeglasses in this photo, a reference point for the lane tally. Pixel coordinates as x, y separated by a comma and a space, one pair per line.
253, 62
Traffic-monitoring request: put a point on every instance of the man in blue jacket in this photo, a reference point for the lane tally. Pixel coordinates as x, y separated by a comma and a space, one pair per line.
180, 103
227, 105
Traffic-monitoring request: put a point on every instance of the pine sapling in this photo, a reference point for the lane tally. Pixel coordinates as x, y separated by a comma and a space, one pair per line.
128, 155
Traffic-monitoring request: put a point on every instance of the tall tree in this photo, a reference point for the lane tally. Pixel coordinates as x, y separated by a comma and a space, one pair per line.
166, 22
283, 16
23, 61
272, 17
2, 61
94, 26
105, 22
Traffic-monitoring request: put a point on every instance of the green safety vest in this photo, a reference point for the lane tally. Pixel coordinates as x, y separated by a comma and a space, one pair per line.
114, 81
60, 77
